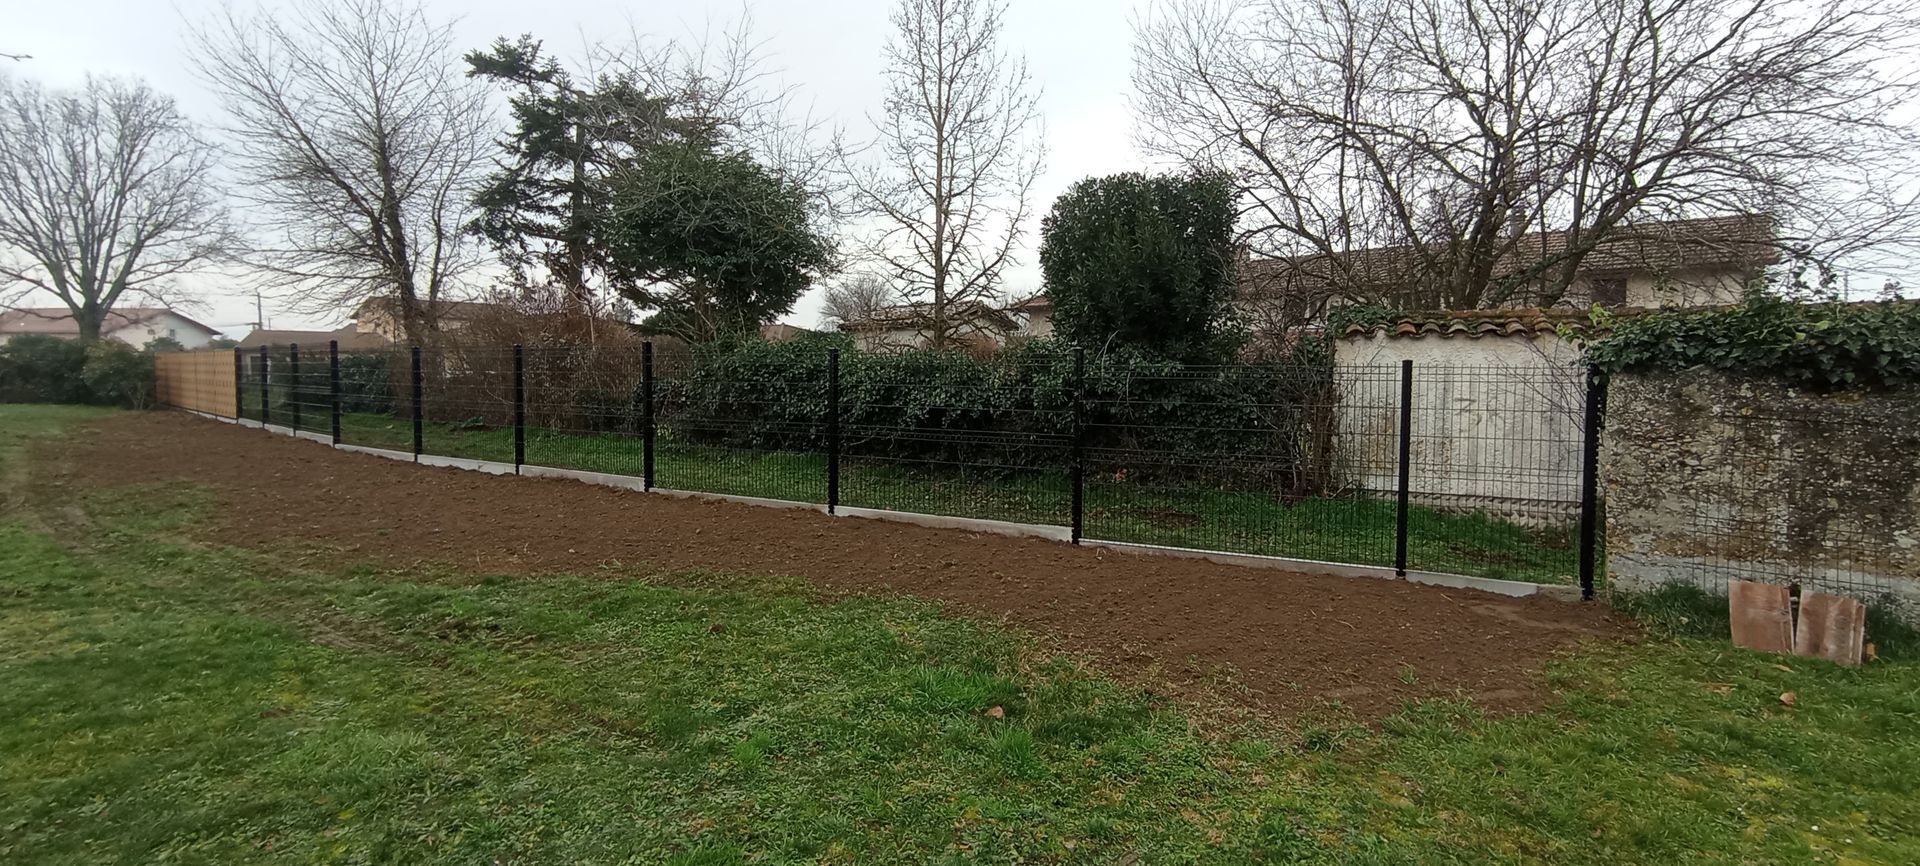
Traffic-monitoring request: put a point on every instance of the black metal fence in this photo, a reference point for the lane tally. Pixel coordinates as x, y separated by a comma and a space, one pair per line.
1478, 471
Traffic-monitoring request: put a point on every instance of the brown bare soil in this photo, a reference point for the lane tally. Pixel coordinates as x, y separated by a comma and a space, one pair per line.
1291, 641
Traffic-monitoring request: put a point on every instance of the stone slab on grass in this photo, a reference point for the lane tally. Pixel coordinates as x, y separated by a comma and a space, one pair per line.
1831, 627
1762, 616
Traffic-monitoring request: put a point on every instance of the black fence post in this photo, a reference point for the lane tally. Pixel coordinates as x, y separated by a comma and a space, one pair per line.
239, 384
646, 415
1406, 468
1079, 442
416, 404
833, 430
519, 408
293, 384
333, 387
264, 378
1590, 480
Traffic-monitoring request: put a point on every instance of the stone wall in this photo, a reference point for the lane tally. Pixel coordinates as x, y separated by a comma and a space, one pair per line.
1711, 477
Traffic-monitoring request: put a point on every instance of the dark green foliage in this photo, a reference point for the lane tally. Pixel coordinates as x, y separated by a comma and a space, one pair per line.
1145, 262
35, 368
1269, 423
1826, 345
116, 374
714, 242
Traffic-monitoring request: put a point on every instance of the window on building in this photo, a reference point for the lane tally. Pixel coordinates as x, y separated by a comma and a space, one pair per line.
1610, 291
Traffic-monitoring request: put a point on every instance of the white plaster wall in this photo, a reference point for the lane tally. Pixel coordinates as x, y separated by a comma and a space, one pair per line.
162, 325
1498, 422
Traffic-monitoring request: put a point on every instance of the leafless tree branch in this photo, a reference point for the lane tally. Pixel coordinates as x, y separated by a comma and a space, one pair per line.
106, 194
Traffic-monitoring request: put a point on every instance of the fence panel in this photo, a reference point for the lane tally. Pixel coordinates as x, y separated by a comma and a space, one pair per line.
1244, 459
201, 381
742, 430
1496, 458
375, 399
584, 407
466, 400
933, 436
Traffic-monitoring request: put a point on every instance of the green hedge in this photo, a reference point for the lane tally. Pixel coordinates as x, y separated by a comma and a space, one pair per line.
1827, 345
36, 368
1014, 409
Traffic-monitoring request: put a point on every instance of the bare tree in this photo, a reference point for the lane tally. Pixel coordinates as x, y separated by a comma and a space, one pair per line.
106, 194
1459, 133
856, 298
359, 146
950, 175
722, 85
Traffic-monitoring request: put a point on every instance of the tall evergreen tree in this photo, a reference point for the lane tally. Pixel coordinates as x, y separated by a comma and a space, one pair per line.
544, 210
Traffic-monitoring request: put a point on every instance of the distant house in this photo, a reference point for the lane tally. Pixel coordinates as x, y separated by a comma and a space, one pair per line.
781, 332
379, 316
349, 337
978, 328
1693, 262
1033, 316
135, 326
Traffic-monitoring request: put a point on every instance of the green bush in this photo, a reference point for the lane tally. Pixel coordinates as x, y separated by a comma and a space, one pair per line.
1144, 261
116, 374
35, 368
1015, 409
1825, 345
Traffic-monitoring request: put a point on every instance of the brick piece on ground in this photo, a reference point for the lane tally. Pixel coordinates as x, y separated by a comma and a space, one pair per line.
1762, 616
1831, 627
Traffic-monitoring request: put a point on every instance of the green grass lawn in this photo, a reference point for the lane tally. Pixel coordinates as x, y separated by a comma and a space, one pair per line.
1352, 530
164, 701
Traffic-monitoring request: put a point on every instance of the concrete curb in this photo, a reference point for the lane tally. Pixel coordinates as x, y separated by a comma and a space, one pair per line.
1511, 588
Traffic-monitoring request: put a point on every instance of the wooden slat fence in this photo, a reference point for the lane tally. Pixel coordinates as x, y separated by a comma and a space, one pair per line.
201, 381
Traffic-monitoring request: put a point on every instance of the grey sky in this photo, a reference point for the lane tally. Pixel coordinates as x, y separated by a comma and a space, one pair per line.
828, 50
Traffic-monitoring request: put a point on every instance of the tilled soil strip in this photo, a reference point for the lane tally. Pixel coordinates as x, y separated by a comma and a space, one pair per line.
1294, 641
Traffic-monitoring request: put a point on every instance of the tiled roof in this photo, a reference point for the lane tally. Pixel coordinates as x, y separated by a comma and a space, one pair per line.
906, 316
1659, 247
58, 321
1528, 322
348, 338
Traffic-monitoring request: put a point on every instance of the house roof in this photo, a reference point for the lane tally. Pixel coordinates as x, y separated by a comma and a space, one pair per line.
1473, 324
1036, 303
909, 316
58, 321
780, 332
1658, 247
347, 336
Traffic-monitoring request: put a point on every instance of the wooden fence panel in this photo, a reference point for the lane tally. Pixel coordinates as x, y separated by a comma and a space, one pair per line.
201, 381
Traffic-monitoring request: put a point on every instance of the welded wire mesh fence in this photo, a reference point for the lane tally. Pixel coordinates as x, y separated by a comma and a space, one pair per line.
1455, 469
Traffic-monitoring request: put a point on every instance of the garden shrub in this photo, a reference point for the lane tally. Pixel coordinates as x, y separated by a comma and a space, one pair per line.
116, 374
1014, 410
37, 368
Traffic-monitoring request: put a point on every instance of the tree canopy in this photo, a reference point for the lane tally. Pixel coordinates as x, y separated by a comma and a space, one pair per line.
713, 242
1144, 261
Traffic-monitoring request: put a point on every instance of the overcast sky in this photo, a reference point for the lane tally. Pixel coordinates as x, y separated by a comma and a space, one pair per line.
829, 50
